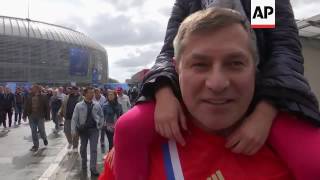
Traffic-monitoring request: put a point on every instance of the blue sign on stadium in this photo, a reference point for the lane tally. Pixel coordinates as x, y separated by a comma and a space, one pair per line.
79, 62
114, 86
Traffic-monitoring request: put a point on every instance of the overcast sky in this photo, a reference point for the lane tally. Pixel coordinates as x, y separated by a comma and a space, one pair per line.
131, 31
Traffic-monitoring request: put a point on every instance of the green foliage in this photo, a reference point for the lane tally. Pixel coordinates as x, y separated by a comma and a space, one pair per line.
111, 80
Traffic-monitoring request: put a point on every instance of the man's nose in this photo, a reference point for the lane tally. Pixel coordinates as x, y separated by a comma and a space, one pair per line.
217, 80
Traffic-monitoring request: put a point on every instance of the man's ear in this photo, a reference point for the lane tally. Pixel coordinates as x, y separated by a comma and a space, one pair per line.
176, 66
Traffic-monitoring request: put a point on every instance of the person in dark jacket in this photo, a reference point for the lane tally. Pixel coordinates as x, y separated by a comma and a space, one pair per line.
66, 112
55, 104
133, 95
112, 110
2, 117
36, 108
280, 83
8, 104
18, 103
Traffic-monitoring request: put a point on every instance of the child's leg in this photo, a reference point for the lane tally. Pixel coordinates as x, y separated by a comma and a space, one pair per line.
134, 134
298, 144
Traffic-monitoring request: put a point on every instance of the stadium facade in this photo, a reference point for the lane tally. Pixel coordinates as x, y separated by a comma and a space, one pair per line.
39, 52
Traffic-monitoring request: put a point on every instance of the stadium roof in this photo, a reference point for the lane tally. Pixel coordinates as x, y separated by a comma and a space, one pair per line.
12, 26
310, 27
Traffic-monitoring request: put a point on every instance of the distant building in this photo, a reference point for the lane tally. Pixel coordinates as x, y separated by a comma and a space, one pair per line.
33, 51
309, 31
137, 77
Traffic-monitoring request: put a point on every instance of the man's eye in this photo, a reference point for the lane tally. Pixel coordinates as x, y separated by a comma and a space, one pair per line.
236, 64
199, 65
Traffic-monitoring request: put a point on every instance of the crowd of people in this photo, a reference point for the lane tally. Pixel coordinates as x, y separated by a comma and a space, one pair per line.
80, 112
9, 103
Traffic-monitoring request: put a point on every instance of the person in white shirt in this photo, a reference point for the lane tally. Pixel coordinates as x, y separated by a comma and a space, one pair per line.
61, 94
100, 99
123, 100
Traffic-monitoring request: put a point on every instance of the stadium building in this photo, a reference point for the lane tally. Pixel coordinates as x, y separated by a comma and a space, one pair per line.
38, 52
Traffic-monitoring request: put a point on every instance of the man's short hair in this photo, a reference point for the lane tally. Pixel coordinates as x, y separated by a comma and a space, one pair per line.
74, 88
119, 89
38, 87
208, 20
87, 89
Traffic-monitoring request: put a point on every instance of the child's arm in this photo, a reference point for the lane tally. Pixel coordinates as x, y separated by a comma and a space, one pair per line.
108, 173
252, 134
168, 124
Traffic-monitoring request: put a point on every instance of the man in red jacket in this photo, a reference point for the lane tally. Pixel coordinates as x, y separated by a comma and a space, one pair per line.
216, 63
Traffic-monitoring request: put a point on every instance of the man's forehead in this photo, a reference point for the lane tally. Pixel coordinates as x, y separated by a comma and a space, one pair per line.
205, 52
224, 51
217, 43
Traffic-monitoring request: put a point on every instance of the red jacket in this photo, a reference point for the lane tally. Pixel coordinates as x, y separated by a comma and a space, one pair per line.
205, 156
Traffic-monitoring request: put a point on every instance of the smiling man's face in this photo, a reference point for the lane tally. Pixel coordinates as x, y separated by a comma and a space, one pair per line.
216, 75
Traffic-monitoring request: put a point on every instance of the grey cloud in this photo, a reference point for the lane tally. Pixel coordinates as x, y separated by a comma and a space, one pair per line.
120, 30
305, 8
165, 11
123, 5
301, 2
137, 2
143, 58
74, 23
133, 70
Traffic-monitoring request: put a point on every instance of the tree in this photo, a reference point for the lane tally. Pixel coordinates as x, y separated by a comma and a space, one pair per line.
111, 80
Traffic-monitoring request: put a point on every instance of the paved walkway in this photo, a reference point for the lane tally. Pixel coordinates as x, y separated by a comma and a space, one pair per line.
17, 162
70, 168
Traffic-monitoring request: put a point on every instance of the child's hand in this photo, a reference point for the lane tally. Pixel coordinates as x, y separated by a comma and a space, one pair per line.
251, 135
169, 115
109, 157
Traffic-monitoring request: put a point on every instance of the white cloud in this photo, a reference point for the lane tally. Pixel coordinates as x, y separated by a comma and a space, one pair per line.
127, 60
305, 8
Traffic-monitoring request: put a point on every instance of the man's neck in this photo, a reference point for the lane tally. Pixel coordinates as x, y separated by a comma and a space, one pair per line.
88, 100
98, 97
221, 132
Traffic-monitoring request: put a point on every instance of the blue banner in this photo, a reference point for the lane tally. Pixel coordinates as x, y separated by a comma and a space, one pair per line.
114, 86
95, 76
79, 62
12, 86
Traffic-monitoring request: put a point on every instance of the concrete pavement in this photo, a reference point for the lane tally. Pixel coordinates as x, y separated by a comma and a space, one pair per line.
70, 167
18, 163
51, 162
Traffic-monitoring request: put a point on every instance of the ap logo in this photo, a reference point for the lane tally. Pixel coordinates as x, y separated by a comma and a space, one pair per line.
263, 13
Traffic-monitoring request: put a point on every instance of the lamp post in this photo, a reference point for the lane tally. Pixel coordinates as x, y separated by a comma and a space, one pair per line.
29, 53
